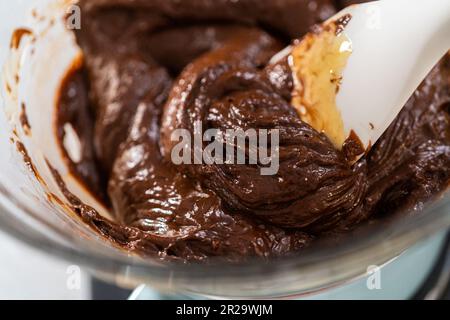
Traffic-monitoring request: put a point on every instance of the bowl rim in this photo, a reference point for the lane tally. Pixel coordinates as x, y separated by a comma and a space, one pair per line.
344, 262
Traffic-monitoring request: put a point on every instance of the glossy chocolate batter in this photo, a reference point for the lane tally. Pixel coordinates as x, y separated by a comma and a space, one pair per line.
153, 66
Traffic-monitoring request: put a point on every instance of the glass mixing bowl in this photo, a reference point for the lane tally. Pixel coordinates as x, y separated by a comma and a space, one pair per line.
32, 71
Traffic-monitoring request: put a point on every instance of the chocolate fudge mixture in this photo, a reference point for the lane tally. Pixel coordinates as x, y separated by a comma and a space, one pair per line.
153, 66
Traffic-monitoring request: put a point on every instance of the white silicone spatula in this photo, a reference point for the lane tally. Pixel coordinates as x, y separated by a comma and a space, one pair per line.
395, 44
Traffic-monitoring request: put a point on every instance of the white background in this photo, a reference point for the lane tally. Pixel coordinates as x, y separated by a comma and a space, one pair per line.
29, 274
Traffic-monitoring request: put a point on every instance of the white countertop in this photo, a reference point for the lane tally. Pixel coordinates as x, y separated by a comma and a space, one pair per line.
28, 274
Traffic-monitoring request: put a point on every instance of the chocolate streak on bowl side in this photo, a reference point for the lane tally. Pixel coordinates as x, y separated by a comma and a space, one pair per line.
23, 118
17, 36
154, 66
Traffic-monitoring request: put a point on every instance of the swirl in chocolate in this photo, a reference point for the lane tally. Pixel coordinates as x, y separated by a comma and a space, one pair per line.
154, 66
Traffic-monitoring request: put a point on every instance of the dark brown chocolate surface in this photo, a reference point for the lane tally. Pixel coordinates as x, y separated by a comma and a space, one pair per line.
152, 66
